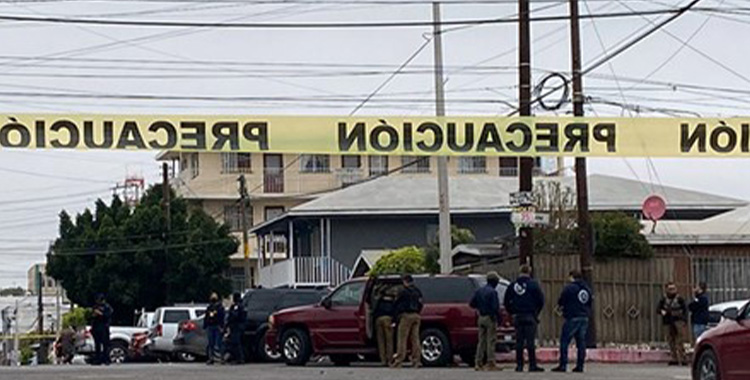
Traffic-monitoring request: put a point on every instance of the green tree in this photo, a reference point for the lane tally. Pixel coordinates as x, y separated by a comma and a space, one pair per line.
129, 255
619, 235
76, 317
406, 260
559, 201
432, 252
12, 292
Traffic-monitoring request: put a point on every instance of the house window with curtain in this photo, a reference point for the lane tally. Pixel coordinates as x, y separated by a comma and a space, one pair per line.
508, 166
233, 217
315, 163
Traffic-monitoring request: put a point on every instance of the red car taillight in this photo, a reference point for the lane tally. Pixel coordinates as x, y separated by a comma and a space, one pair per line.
188, 326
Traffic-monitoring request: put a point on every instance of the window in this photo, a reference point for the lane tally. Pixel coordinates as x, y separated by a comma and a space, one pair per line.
263, 300
446, 290
472, 165
351, 162
315, 163
508, 166
232, 217
194, 165
273, 212
299, 299
348, 294
378, 165
175, 316
236, 163
422, 164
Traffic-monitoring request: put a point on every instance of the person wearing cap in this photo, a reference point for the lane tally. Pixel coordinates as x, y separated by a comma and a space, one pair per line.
408, 307
487, 305
575, 301
101, 320
524, 300
213, 322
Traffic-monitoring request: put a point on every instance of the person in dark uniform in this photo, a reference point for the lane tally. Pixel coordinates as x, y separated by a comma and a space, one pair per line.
487, 305
383, 314
101, 320
575, 301
408, 307
213, 323
524, 300
699, 310
235, 327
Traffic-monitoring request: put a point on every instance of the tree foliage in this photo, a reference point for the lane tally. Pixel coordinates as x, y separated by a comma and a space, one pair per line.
129, 255
617, 234
12, 292
406, 260
432, 252
76, 317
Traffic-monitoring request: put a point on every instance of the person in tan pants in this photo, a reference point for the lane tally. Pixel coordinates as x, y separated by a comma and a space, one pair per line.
408, 307
383, 312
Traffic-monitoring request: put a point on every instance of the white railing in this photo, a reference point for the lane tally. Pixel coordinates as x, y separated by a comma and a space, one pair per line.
304, 272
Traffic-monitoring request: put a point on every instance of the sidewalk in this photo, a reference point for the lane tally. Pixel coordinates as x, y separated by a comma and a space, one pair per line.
598, 355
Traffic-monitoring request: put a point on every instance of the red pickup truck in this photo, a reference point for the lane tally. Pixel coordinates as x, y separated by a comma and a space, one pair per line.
341, 326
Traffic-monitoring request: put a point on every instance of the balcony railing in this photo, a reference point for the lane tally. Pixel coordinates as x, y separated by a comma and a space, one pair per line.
304, 272
273, 180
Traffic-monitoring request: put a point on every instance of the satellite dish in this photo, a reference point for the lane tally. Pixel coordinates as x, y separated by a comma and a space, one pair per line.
654, 207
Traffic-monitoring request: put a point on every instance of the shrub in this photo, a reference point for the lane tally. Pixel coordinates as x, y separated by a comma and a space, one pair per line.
406, 260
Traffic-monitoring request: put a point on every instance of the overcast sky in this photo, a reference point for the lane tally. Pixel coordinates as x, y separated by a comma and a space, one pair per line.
39, 59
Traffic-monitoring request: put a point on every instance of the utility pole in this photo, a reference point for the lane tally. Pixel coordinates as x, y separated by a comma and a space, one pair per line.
244, 200
444, 225
525, 175
166, 206
41, 354
586, 246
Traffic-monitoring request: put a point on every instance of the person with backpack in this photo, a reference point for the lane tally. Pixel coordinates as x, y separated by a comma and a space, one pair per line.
673, 310
575, 301
408, 308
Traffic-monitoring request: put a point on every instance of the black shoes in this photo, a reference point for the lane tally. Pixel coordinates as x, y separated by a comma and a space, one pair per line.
536, 369
558, 369
578, 369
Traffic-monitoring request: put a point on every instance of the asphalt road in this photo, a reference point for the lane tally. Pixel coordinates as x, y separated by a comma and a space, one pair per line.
281, 372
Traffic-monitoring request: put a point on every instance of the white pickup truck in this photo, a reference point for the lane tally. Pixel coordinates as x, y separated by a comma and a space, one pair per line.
119, 340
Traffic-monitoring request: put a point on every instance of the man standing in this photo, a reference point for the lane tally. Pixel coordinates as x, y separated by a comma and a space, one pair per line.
212, 323
487, 305
575, 301
699, 310
101, 319
235, 328
408, 307
384, 310
524, 300
673, 311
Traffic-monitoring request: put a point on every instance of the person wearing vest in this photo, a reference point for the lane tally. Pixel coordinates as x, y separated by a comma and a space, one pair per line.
408, 306
213, 322
699, 310
524, 300
575, 302
673, 311
487, 305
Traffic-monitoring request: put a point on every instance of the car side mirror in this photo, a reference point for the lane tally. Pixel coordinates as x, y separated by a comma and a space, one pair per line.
326, 303
731, 313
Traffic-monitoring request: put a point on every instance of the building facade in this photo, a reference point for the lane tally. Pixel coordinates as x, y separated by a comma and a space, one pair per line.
48, 284
278, 182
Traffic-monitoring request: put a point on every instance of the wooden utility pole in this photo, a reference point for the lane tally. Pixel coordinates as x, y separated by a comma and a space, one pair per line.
244, 200
525, 175
586, 246
42, 353
444, 225
166, 200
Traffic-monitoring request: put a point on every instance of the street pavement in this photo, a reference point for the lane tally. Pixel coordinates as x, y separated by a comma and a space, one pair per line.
281, 372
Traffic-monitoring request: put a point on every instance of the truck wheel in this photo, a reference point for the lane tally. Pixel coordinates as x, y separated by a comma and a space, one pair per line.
342, 360
263, 352
118, 352
436, 348
296, 347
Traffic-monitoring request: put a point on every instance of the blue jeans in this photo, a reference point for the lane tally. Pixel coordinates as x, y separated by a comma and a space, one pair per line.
214, 342
698, 330
574, 328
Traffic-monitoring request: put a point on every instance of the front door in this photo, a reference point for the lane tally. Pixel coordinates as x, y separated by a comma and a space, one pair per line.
273, 173
736, 346
338, 325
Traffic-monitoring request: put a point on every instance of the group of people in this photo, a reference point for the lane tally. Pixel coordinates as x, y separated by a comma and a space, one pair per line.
402, 308
524, 300
674, 313
221, 324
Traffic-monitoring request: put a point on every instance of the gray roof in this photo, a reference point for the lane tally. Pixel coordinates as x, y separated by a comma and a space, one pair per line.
482, 194
732, 227
405, 194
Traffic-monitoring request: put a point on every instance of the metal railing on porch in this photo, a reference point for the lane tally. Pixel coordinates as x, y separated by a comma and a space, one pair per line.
304, 272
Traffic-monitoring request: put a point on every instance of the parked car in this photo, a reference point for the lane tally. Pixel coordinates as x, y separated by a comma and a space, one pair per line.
164, 330
721, 352
259, 304
120, 339
341, 326
715, 311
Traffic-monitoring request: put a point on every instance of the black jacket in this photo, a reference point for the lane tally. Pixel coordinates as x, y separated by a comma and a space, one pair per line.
214, 315
524, 297
575, 300
102, 317
675, 310
699, 310
485, 301
384, 307
409, 300
236, 317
